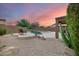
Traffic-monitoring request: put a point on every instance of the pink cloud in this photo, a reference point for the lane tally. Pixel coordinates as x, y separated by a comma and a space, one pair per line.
44, 17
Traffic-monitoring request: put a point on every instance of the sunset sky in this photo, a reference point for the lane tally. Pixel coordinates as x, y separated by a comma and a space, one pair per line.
43, 13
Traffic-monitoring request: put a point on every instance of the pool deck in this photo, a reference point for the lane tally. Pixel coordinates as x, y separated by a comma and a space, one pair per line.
38, 47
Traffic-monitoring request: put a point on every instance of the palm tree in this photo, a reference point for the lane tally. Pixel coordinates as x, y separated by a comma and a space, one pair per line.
25, 23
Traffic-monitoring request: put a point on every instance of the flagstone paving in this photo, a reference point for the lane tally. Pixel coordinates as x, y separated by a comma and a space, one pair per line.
38, 47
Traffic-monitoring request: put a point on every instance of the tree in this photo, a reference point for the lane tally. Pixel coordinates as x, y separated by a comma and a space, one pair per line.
24, 23
72, 20
35, 25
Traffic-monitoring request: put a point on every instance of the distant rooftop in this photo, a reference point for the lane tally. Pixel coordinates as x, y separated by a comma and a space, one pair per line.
2, 20
61, 19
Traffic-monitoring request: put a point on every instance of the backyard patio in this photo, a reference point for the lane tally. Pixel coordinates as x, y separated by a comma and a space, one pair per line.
38, 47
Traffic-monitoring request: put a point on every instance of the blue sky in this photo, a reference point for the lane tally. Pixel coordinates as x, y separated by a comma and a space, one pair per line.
43, 13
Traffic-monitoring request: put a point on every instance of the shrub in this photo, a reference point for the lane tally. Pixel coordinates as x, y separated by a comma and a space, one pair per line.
2, 31
72, 20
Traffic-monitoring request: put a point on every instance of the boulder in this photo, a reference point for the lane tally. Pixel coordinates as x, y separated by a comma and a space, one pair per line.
9, 51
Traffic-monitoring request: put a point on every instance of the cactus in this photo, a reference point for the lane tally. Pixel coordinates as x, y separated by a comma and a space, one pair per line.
72, 20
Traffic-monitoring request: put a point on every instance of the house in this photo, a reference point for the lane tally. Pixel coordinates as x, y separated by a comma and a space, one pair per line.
59, 20
2, 23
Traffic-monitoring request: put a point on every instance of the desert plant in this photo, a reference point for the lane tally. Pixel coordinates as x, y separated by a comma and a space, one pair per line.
66, 37
72, 20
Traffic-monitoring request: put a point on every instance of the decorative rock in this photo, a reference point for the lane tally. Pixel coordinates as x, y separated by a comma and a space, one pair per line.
69, 51
9, 51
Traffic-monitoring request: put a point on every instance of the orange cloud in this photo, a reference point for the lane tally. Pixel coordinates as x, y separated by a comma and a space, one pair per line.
48, 18
45, 17
46, 22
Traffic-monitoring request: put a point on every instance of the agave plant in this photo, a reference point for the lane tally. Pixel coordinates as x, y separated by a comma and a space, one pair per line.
66, 36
